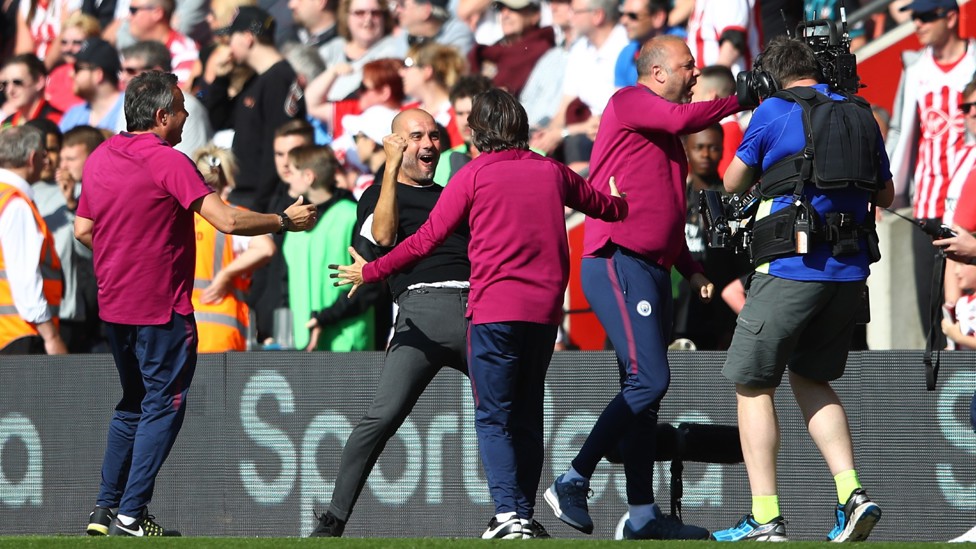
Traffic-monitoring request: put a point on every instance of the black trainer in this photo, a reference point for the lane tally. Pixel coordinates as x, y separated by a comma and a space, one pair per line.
143, 526
329, 526
531, 529
99, 520
510, 529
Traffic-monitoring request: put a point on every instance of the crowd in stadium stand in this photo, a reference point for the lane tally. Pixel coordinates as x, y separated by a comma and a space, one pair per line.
263, 77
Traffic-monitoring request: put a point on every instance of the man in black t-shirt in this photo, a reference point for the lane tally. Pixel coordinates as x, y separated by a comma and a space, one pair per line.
432, 297
265, 103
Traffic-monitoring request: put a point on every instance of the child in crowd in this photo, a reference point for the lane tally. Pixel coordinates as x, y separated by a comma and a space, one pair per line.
336, 322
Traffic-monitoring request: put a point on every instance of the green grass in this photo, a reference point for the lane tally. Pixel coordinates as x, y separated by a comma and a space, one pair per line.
29, 542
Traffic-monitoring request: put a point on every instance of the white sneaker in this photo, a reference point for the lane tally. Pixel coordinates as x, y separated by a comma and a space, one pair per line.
969, 536
618, 532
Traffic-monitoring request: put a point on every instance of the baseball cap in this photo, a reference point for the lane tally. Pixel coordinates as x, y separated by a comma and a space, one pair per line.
253, 20
374, 123
923, 6
99, 53
519, 4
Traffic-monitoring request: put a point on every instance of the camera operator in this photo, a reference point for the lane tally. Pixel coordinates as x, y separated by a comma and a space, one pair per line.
813, 240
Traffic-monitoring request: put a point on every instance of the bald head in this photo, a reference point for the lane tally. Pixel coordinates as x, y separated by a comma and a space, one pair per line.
422, 146
666, 66
404, 118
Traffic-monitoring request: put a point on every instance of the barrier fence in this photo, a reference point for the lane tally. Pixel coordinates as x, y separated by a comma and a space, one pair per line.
260, 447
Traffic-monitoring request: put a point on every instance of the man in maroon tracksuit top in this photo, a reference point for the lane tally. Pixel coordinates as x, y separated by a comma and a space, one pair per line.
513, 200
638, 143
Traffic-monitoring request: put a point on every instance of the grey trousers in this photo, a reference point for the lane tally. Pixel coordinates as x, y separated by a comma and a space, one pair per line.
429, 334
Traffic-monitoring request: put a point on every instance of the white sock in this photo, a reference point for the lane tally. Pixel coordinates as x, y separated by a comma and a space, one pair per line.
573, 475
640, 515
505, 517
127, 520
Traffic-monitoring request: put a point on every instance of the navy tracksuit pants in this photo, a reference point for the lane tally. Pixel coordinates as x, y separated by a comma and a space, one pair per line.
156, 365
507, 363
632, 298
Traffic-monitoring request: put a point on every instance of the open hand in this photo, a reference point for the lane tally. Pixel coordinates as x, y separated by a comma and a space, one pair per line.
349, 274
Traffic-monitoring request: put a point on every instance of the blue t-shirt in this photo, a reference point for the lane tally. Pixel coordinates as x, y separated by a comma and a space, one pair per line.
80, 115
775, 132
625, 71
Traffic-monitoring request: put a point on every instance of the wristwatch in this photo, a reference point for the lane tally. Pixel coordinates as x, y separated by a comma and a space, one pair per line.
285, 220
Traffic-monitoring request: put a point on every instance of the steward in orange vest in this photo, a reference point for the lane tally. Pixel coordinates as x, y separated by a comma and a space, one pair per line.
12, 326
222, 325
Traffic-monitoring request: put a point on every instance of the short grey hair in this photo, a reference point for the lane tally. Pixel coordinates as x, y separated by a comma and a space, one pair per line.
146, 94
151, 52
17, 143
611, 8
304, 60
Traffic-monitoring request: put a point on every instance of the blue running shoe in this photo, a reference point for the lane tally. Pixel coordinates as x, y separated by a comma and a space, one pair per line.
664, 527
568, 502
748, 529
855, 519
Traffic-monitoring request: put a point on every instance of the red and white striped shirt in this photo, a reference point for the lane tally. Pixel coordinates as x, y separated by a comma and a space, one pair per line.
184, 53
711, 18
942, 135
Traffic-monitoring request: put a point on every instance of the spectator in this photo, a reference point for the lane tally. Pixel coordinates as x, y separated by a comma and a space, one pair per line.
75, 30
924, 149
364, 35
223, 265
308, 65
428, 74
96, 79
316, 21
261, 105
24, 82
269, 284
57, 199
150, 55
725, 32
509, 62
462, 96
382, 86
543, 89
430, 21
151, 20
368, 130
38, 27
222, 78
145, 296
338, 322
588, 79
717, 82
958, 183
643, 19
708, 325
30, 291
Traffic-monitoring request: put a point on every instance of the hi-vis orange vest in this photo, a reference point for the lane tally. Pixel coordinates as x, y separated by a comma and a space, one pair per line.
221, 326
12, 326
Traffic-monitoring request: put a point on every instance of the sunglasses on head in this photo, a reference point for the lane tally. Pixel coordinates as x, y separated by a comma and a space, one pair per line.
928, 16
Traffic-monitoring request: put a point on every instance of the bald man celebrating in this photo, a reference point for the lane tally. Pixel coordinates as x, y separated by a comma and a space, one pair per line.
640, 122
432, 297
